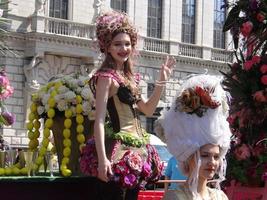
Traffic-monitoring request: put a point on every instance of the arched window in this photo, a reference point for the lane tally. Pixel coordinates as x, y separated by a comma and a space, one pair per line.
188, 21
120, 5
154, 18
219, 18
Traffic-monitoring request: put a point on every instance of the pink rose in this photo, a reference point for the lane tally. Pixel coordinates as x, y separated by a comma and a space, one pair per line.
146, 169
260, 17
248, 65
259, 96
264, 79
242, 152
263, 69
246, 28
134, 161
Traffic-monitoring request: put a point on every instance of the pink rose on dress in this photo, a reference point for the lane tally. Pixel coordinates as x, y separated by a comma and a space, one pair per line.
242, 152
134, 161
146, 169
246, 28
130, 180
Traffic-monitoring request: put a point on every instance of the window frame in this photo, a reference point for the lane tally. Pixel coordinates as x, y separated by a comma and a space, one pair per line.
189, 22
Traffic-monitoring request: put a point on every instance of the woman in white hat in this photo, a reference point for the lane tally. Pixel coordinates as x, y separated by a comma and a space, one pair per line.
198, 135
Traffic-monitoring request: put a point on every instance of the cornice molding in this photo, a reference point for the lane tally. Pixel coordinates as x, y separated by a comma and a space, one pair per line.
188, 61
51, 38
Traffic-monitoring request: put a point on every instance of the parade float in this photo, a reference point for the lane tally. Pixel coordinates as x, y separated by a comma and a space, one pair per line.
246, 81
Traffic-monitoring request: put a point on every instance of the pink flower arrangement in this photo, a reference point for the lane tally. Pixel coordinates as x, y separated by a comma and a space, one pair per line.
6, 90
246, 81
130, 171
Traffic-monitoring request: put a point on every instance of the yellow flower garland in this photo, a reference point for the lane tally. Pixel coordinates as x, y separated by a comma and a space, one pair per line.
33, 129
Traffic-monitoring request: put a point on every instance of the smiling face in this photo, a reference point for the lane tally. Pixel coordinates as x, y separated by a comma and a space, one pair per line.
120, 48
210, 161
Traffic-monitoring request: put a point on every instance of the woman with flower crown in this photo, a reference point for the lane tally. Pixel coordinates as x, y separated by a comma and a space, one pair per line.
119, 155
197, 134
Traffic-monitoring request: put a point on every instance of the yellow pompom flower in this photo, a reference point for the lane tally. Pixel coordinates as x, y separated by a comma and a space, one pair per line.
32, 116
48, 123
29, 125
36, 124
80, 138
79, 99
79, 108
65, 160
33, 107
67, 142
66, 172
68, 113
51, 102
46, 132
66, 133
51, 113
67, 123
80, 128
79, 119
66, 152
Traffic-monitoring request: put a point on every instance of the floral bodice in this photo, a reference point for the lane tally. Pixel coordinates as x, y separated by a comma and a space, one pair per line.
121, 107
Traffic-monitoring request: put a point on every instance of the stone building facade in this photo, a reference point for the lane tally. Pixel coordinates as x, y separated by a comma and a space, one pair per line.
48, 37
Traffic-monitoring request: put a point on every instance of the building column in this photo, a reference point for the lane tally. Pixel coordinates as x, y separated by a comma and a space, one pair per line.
175, 26
165, 26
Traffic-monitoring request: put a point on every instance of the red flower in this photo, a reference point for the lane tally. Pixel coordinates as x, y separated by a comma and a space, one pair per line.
264, 80
260, 17
263, 69
242, 152
259, 96
206, 98
248, 65
246, 28
256, 59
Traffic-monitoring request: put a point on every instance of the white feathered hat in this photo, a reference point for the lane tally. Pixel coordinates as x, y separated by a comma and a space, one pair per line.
197, 117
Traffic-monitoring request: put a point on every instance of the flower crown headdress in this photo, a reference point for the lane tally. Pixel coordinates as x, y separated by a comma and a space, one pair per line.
196, 100
111, 23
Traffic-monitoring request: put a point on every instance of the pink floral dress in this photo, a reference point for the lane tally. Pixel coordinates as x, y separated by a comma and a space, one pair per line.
134, 162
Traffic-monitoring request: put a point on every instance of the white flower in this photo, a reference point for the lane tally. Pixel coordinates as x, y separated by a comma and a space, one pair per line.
86, 93
78, 90
62, 105
86, 107
1, 12
73, 109
70, 95
40, 110
62, 89
45, 98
